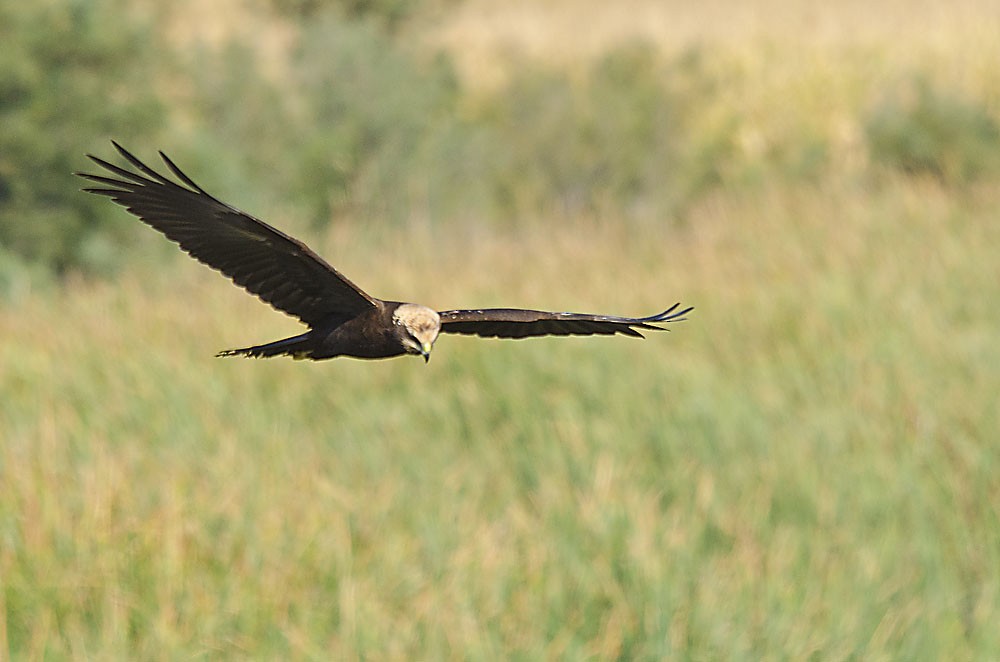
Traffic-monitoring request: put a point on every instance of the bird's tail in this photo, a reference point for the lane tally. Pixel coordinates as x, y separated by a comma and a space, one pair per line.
298, 347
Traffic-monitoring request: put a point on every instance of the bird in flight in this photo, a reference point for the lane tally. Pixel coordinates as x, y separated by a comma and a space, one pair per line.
342, 319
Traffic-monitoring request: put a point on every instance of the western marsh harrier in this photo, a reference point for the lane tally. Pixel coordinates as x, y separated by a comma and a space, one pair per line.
343, 319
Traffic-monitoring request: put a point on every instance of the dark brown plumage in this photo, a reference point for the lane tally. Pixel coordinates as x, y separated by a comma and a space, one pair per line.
343, 320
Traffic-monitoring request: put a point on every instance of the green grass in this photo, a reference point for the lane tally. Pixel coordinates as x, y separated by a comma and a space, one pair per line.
806, 468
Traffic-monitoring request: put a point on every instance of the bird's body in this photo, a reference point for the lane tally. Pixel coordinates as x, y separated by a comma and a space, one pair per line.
374, 334
370, 335
343, 320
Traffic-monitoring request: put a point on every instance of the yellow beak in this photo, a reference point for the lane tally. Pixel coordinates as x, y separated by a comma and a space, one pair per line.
425, 351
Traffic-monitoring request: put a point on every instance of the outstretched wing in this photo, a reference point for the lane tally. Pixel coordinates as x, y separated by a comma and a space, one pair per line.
517, 323
279, 269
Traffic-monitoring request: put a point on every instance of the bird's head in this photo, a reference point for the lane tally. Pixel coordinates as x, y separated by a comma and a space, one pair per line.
417, 328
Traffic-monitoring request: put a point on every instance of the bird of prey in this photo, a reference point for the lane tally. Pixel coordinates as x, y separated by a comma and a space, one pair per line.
342, 319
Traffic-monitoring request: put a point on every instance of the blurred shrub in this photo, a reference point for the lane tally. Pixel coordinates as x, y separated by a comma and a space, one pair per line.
343, 133
389, 14
604, 143
388, 133
366, 126
368, 109
926, 131
238, 125
71, 73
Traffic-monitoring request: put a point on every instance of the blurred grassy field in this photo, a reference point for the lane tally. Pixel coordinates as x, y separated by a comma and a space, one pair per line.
807, 468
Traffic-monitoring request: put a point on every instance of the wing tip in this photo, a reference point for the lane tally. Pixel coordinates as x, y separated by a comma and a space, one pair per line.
671, 314
121, 150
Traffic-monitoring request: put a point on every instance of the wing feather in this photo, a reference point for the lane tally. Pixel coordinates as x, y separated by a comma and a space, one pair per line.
519, 323
277, 268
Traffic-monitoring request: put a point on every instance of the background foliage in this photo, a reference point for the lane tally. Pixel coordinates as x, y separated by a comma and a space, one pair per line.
68, 71
360, 119
806, 468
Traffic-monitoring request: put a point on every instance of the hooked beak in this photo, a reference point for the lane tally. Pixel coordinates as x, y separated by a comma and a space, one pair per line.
425, 351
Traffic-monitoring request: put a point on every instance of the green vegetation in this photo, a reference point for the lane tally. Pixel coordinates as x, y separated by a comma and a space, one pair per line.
69, 72
808, 468
927, 132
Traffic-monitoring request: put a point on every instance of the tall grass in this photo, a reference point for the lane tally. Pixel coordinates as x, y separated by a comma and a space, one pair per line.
806, 468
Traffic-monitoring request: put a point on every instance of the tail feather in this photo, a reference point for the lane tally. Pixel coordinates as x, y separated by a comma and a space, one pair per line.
298, 347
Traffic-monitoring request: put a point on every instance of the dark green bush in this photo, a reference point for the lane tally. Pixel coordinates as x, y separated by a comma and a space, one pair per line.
927, 131
72, 75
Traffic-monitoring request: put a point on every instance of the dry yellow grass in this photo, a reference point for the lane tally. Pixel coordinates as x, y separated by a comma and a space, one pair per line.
481, 33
